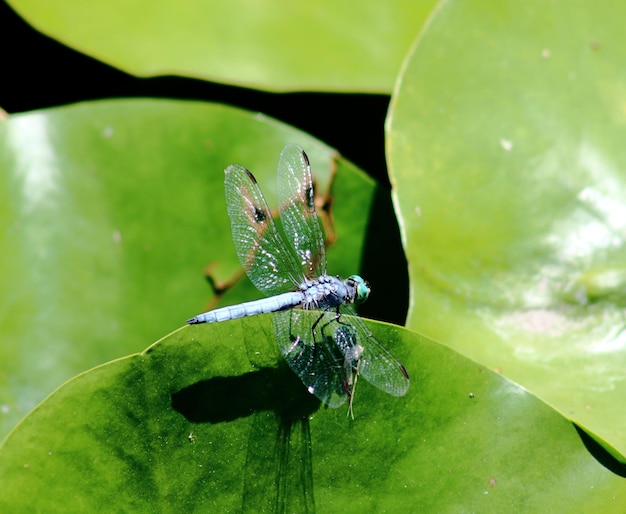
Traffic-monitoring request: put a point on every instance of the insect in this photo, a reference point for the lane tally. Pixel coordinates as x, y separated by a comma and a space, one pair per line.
317, 330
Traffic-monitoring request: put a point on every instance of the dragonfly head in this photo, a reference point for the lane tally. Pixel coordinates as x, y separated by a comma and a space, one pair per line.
360, 286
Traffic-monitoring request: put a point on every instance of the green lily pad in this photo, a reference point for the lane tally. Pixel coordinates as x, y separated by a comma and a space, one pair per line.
324, 45
506, 151
114, 216
211, 419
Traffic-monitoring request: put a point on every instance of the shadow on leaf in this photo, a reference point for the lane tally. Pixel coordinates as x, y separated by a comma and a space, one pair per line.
601, 453
223, 399
278, 475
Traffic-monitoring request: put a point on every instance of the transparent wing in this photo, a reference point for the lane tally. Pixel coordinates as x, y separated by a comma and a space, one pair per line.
375, 362
270, 264
316, 359
296, 204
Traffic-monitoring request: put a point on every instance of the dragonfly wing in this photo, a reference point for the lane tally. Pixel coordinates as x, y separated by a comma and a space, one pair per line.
296, 204
313, 357
375, 362
268, 261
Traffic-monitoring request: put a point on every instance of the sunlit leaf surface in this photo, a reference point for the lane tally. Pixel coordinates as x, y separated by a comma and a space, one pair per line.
211, 419
506, 147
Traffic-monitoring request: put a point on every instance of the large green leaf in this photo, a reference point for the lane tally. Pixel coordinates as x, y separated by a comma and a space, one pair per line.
211, 419
111, 211
506, 149
323, 45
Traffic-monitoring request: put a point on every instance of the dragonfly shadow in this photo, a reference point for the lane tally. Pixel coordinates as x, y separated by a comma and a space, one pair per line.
278, 474
223, 399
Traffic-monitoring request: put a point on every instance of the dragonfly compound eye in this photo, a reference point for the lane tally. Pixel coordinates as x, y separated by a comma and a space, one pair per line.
362, 289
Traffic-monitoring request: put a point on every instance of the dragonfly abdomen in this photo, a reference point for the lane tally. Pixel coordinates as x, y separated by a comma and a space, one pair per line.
263, 306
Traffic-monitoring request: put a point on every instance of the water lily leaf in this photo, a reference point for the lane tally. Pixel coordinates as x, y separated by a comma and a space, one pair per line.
210, 418
113, 218
324, 45
506, 152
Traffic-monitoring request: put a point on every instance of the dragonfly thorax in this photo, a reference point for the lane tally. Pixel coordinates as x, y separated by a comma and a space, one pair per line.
327, 292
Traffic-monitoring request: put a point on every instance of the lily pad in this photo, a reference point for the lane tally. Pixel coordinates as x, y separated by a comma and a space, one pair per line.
506, 152
210, 418
114, 218
324, 45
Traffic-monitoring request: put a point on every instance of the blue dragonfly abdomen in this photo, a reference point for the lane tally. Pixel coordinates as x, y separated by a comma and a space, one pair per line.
262, 306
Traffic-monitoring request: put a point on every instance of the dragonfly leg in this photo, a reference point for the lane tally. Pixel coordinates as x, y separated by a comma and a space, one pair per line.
336, 319
317, 323
353, 390
324, 325
351, 350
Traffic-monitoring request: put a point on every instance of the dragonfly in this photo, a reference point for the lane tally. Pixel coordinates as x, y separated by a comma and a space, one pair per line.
317, 330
